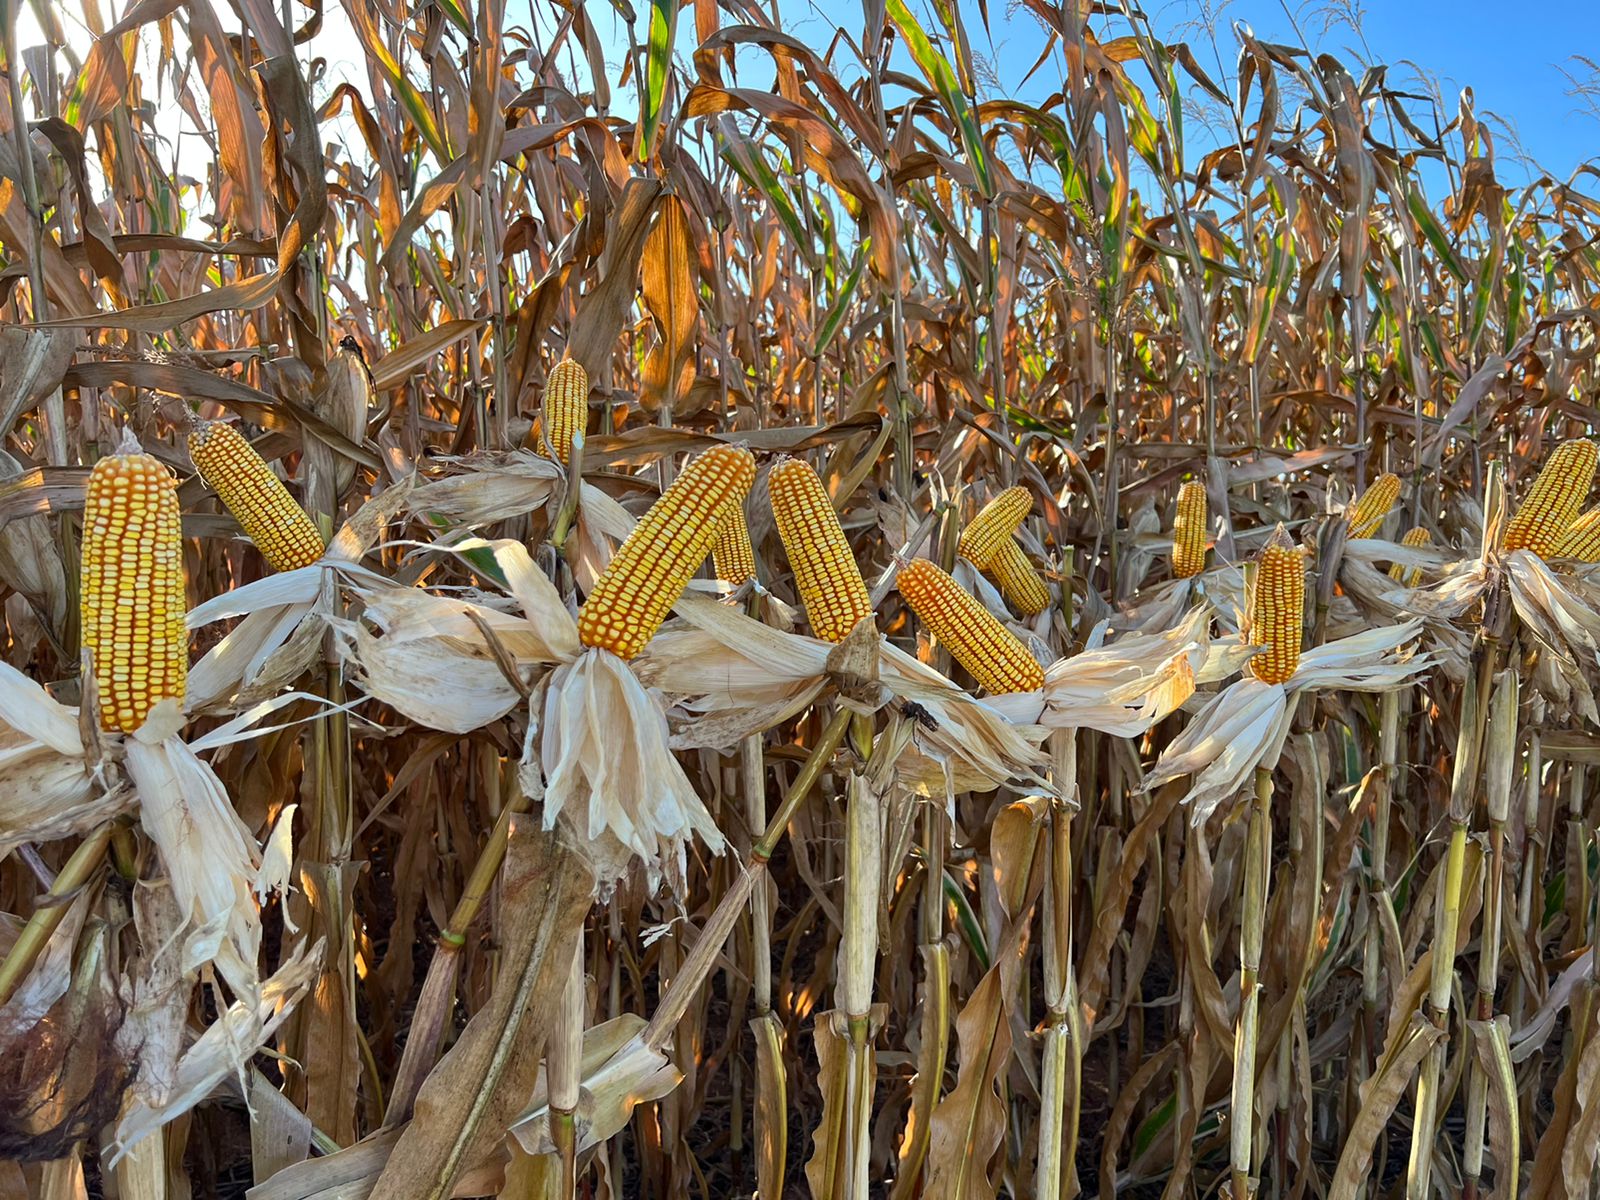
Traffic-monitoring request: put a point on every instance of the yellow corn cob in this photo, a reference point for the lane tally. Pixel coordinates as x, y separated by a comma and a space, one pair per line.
256, 497
566, 406
732, 557
1277, 609
1555, 499
1019, 582
1414, 537
1373, 505
998, 661
131, 589
1189, 531
1582, 539
655, 563
995, 523
825, 571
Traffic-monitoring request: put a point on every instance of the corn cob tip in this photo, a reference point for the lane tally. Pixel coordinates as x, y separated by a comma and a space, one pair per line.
655, 562
1277, 608
732, 556
1189, 531
826, 576
287, 538
1022, 586
131, 586
1555, 499
1368, 511
987, 649
1416, 536
1581, 541
565, 408
995, 523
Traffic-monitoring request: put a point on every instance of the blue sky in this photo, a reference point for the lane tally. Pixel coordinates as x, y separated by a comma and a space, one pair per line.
1514, 65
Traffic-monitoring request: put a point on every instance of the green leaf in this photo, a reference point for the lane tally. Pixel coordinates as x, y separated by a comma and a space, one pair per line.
456, 12
942, 77
405, 91
1434, 232
834, 317
750, 163
658, 65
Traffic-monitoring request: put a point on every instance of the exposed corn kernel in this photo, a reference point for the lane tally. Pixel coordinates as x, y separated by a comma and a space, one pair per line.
654, 564
566, 406
1277, 609
994, 525
825, 572
1189, 531
131, 588
1373, 505
280, 528
986, 648
1555, 499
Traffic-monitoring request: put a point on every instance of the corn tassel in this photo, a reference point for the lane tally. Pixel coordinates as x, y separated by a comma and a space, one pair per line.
1019, 582
280, 528
1554, 501
1189, 531
986, 648
651, 568
131, 592
1413, 538
994, 525
825, 572
1373, 505
732, 557
1277, 609
1582, 539
566, 406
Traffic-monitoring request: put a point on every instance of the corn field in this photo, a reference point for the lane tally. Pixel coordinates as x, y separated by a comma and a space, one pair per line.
607, 602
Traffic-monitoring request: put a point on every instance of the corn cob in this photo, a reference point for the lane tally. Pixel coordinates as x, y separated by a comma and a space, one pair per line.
131, 589
280, 528
986, 648
1414, 537
981, 540
1277, 609
1373, 505
732, 557
566, 406
1582, 539
1189, 531
1019, 582
654, 564
825, 572
1553, 503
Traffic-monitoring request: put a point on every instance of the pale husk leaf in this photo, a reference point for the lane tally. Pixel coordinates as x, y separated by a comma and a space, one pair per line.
608, 768
620, 1071
225, 1048
210, 856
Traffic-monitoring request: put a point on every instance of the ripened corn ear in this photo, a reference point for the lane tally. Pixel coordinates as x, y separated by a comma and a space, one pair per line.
654, 564
1373, 505
1189, 531
131, 598
1417, 536
1277, 609
825, 572
280, 528
994, 525
732, 557
1021, 585
1556, 498
986, 648
566, 406
1582, 539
